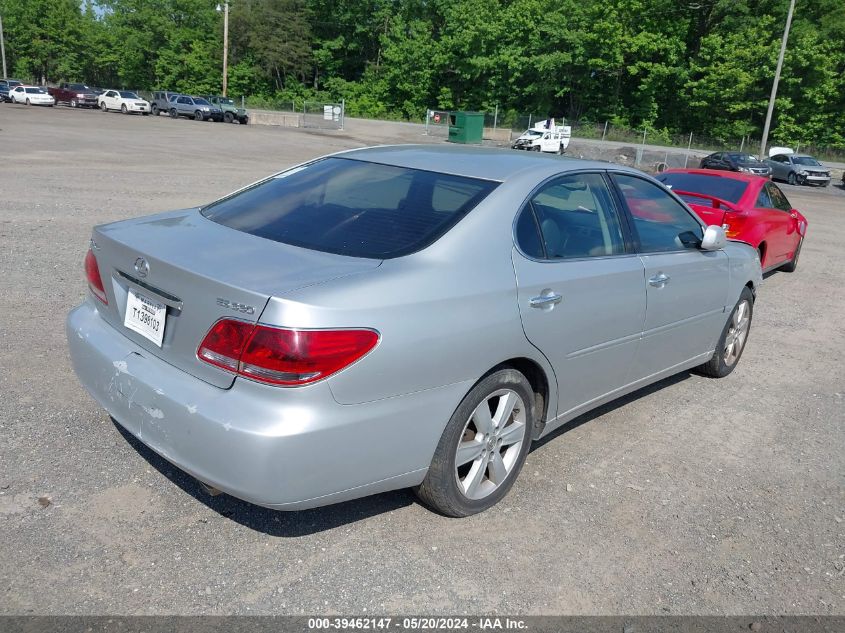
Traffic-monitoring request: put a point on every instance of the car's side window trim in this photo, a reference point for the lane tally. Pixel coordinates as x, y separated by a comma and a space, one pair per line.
627, 237
629, 217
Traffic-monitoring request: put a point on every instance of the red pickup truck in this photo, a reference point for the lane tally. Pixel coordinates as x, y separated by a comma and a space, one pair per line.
75, 95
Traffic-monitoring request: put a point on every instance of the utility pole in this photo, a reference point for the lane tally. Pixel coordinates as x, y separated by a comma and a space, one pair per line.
2, 48
774, 94
226, 46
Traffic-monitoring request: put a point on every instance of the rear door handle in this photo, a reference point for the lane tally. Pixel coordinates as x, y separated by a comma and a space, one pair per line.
659, 280
548, 299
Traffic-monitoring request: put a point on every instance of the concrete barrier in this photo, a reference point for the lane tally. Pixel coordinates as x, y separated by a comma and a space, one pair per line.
497, 134
268, 117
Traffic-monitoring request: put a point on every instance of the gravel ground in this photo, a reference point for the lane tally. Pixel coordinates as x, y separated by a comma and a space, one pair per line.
693, 496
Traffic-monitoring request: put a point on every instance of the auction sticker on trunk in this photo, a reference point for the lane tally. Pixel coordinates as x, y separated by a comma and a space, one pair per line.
145, 316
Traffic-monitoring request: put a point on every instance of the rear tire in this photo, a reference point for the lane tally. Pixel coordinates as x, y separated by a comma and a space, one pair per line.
490, 435
793, 263
735, 333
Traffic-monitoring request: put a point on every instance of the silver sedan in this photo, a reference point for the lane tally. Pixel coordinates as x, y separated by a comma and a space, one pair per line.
407, 316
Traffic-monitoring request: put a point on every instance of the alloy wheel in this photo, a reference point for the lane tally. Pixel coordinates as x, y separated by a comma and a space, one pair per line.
737, 333
490, 444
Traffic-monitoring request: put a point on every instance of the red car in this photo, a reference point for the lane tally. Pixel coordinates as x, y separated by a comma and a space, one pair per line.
751, 209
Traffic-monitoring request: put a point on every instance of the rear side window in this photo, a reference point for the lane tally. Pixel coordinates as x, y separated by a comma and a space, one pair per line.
717, 186
575, 217
351, 207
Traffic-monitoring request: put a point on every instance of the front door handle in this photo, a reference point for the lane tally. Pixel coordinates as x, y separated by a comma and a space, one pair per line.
548, 299
659, 280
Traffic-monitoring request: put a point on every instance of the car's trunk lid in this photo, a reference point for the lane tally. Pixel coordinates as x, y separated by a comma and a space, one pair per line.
201, 271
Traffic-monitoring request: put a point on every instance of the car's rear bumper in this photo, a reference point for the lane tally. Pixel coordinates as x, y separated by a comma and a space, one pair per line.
281, 448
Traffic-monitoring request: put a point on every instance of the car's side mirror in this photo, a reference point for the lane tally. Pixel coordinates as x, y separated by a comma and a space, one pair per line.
714, 238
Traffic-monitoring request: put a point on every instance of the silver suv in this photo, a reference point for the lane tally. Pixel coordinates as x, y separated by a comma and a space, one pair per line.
195, 107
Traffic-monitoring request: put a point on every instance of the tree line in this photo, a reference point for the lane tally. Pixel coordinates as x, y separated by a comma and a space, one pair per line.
676, 66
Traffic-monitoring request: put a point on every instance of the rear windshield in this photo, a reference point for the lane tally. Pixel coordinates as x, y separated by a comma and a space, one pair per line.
716, 186
351, 207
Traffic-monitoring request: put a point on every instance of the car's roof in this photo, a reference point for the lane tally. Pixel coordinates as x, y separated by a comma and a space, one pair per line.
475, 162
718, 173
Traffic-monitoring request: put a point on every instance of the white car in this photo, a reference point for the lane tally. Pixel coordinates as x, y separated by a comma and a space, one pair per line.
31, 95
123, 100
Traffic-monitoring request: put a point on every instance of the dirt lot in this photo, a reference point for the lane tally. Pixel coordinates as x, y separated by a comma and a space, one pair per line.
694, 496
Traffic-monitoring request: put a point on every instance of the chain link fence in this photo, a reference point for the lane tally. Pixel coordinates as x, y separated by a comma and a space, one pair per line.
321, 115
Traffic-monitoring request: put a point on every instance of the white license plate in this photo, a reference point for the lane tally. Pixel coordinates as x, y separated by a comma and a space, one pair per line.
145, 316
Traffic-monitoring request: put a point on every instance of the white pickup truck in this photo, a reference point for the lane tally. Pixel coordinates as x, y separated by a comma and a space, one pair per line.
542, 139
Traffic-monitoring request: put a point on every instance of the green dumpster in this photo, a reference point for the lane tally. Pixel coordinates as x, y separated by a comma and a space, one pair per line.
466, 127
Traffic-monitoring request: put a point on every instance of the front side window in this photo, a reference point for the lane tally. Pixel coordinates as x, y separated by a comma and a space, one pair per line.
352, 207
778, 198
763, 199
571, 217
661, 222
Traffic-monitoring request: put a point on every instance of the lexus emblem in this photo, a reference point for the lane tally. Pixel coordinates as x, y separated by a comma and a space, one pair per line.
142, 267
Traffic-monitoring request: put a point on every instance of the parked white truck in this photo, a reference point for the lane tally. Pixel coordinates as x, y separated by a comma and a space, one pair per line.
540, 138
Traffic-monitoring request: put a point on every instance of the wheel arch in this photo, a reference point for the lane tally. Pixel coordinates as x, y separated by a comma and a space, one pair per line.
761, 248
538, 378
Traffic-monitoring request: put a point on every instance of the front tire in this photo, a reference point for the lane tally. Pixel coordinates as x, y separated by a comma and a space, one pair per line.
123, 109
74, 103
791, 178
27, 102
103, 106
197, 116
154, 110
228, 117
482, 448
174, 114
733, 339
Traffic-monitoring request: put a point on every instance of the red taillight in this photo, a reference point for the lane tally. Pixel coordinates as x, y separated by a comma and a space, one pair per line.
281, 356
732, 223
224, 343
92, 274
